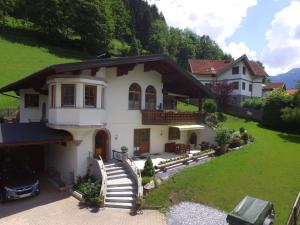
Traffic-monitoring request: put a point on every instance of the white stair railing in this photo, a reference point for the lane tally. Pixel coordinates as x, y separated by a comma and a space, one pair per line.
104, 176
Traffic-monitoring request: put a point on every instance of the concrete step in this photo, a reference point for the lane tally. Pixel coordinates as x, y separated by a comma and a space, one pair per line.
120, 194
120, 199
122, 189
122, 205
114, 168
118, 176
115, 172
113, 164
120, 182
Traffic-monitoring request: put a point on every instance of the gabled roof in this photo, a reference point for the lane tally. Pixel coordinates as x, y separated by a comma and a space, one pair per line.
271, 86
14, 134
202, 67
175, 79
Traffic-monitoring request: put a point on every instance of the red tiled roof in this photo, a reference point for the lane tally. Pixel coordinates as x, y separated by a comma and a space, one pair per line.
214, 67
274, 85
291, 91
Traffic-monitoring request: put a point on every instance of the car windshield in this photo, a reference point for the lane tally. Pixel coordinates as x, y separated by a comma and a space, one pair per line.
16, 171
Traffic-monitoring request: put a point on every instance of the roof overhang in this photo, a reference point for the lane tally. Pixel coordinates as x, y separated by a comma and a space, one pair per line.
174, 78
21, 134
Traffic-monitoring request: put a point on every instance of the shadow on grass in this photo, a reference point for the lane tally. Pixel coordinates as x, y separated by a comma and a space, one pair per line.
64, 49
290, 137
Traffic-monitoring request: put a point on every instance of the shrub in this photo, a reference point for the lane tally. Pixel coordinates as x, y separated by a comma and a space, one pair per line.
209, 105
242, 130
92, 195
148, 170
245, 137
211, 120
254, 103
221, 117
223, 135
235, 142
275, 102
146, 180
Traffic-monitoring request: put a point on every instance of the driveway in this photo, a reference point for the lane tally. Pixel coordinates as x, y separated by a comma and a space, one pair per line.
59, 208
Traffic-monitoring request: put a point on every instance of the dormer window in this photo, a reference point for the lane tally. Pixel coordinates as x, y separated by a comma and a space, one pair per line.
90, 96
31, 100
235, 70
68, 95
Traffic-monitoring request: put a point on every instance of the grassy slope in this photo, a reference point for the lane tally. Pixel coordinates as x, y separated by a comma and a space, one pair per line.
20, 56
268, 169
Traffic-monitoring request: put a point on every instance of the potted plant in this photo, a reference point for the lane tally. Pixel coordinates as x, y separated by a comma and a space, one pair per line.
124, 149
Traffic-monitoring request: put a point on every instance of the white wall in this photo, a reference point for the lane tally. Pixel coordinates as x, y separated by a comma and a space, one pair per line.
32, 114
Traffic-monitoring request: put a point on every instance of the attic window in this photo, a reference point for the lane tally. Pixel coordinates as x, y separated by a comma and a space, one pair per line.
31, 100
235, 70
244, 70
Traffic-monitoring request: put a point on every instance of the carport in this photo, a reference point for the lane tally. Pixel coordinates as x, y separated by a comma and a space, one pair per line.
25, 142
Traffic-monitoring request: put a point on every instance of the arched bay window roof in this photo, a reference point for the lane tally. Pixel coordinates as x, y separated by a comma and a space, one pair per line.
134, 99
150, 98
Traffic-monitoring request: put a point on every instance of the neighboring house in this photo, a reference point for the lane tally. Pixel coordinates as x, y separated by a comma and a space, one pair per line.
269, 87
247, 76
291, 91
74, 111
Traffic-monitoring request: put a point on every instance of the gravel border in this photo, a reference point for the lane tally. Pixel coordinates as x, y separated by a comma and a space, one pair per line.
188, 213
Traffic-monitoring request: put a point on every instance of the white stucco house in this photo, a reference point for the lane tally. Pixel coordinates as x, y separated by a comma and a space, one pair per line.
247, 76
75, 111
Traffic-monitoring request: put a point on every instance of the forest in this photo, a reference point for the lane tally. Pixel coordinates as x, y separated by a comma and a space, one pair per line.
119, 27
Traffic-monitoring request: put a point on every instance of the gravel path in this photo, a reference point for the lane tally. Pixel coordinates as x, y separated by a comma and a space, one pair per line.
187, 213
170, 172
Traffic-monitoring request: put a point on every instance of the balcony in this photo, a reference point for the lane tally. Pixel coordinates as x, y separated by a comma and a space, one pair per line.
170, 118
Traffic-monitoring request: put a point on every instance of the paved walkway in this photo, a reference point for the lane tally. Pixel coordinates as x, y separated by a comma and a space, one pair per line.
54, 208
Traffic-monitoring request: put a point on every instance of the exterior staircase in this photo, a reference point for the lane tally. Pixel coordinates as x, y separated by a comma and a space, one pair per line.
121, 189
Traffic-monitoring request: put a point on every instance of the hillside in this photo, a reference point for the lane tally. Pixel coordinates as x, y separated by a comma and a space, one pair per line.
20, 57
290, 78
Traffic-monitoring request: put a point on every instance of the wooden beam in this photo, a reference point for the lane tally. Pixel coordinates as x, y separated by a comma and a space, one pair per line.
41, 91
124, 69
76, 72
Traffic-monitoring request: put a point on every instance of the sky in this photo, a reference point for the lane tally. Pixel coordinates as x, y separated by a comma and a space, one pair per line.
265, 30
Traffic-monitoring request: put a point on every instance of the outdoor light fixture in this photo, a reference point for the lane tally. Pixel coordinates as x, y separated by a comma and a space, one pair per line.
116, 137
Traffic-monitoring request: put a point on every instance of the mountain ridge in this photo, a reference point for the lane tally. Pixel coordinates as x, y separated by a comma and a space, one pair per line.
290, 78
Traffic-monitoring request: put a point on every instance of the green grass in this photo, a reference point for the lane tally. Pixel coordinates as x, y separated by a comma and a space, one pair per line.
184, 107
21, 56
268, 169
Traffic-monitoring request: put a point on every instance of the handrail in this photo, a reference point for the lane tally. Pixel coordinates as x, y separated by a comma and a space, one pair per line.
138, 176
104, 176
293, 218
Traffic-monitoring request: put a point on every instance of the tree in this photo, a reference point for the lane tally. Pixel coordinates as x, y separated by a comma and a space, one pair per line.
209, 105
223, 135
158, 38
208, 49
222, 90
148, 170
6, 7
291, 115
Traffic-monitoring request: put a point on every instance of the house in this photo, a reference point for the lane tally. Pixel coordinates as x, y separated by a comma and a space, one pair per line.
292, 91
269, 87
71, 112
247, 76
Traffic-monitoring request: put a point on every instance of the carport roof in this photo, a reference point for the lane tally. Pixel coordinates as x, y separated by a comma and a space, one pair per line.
18, 134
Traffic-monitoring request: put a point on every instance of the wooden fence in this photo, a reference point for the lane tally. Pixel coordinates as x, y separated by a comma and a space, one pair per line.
295, 212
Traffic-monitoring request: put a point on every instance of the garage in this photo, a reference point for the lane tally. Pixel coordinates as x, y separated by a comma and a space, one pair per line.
24, 145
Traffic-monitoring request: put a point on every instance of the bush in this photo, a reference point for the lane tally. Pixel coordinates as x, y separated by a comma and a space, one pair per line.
92, 194
146, 180
221, 117
235, 142
242, 130
275, 102
245, 137
148, 170
211, 120
254, 103
223, 135
209, 105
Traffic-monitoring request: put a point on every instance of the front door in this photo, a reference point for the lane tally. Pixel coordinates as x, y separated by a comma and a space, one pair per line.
142, 140
101, 142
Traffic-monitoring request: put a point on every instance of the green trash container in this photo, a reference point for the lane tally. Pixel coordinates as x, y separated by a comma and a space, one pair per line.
252, 211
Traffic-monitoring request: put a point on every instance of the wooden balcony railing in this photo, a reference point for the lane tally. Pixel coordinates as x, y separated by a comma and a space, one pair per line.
169, 118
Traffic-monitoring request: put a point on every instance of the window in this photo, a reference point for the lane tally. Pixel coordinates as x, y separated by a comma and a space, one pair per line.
250, 87
244, 70
53, 96
170, 102
31, 100
68, 95
134, 97
235, 70
243, 85
174, 133
102, 98
150, 98
235, 85
90, 96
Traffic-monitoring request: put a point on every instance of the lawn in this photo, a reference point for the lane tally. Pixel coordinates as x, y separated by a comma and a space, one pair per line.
268, 169
21, 56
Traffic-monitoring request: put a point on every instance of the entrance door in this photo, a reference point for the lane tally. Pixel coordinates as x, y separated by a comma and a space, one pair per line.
101, 143
142, 140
